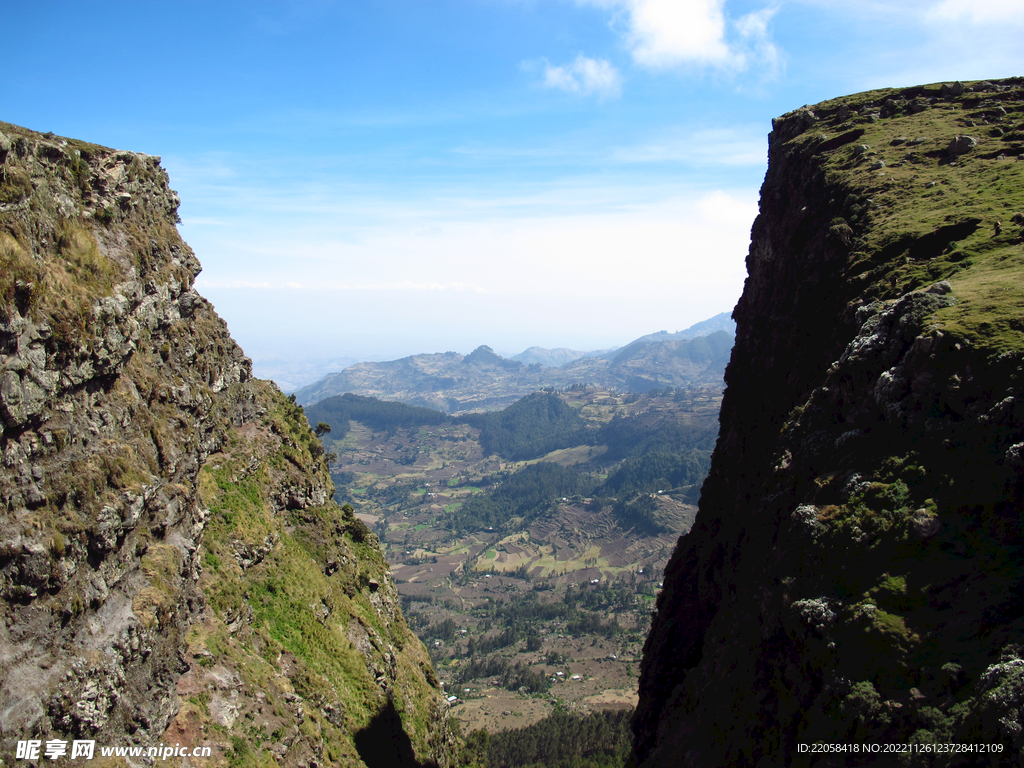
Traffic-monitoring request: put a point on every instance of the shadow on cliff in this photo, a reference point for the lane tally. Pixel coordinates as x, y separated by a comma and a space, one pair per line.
383, 743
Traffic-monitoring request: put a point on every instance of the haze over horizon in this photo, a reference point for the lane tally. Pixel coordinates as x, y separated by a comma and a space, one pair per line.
368, 180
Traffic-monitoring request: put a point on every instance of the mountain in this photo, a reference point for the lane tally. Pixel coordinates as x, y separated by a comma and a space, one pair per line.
549, 358
854, 577
644, 365
172, 567
483, 380
720, 322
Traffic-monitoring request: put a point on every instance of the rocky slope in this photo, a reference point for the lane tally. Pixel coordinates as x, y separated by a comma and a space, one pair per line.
171, 567
854, 574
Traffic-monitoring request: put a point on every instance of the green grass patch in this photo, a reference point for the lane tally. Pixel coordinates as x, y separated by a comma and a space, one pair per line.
281, 600
922, 193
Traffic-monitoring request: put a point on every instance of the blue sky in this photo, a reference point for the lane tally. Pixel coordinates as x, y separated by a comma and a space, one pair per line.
366, 180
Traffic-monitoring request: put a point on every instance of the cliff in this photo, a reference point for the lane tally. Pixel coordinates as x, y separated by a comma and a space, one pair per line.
172, 569
854, 574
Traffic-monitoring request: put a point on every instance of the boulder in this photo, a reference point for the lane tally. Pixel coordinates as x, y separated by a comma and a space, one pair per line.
961, 145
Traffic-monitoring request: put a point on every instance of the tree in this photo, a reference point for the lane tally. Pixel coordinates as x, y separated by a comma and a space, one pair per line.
475, 749
322, 428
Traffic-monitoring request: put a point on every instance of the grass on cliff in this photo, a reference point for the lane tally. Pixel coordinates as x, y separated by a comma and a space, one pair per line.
21, 277
62, 284
923, 214
294, 591
281, 588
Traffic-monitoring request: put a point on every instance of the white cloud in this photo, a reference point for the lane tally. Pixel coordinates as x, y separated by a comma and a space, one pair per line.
753, 30
697, 239
406, 285
666, 32
585, 261
585, 76
722, 146
669, 33
980, 11
720, 209
203, 282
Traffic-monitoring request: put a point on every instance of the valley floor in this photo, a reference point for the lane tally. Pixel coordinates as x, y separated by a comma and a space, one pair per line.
546, 613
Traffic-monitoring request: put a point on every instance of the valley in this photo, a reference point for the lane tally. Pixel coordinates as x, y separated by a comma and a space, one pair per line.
531, 585
174, 569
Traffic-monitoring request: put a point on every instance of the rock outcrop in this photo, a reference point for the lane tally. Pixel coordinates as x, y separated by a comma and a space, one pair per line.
855, 574
172, 570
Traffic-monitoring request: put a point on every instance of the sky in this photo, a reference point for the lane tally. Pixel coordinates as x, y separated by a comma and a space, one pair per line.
369, 179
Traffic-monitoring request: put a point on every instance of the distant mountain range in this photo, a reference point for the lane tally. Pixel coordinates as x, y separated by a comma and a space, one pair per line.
551, 358
557, 357
484, 380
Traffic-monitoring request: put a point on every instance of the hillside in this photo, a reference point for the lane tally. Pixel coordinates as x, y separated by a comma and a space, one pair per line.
483, 380
172, 567
855, 574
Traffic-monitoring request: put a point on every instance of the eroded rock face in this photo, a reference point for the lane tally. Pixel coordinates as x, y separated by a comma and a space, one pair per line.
854, 571
127, 562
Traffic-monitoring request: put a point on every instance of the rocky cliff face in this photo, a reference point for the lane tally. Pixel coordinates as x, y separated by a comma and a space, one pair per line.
171, 567
855, 572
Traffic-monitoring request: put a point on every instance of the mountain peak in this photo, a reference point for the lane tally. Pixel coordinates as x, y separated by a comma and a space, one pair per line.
484, 355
